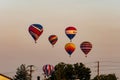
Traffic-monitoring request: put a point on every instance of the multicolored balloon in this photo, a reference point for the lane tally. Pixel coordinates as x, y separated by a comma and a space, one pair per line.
48, 69
53, 39
70, 48
70, 32
86, 47
35, 31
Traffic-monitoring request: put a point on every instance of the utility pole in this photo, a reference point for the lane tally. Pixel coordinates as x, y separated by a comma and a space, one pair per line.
98, 70
31, 70
38, 77
98, 63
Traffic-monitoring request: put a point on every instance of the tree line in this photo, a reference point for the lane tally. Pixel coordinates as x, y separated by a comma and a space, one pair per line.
63, 71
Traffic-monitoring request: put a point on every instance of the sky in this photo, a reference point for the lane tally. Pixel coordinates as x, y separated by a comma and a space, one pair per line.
96, 21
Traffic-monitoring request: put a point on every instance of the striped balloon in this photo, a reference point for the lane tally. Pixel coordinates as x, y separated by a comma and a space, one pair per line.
48, 69
53, 39
86, 47
70, 48
35, 31
70, 32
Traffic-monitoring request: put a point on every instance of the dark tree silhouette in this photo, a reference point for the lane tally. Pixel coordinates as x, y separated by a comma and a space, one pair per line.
22, 73
105, 77
70, 72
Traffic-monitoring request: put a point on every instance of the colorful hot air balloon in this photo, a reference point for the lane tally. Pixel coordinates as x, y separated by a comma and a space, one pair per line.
35, 31
86, 47
70, 48
48, 69
70, 32
53, 39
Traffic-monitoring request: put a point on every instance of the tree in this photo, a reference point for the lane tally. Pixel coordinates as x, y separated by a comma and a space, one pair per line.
70, 72
105, 77
111, 77
82, 72
59, 73
22, 73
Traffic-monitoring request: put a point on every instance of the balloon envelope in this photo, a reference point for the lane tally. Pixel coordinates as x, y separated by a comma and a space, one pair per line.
35, 31
70, 48
48, 69
70, 32
53, 39
86, 47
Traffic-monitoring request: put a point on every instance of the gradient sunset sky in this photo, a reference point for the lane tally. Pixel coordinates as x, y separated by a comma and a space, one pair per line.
97, 21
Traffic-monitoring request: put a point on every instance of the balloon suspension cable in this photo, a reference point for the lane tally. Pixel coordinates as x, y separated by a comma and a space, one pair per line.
70, 40
35, 41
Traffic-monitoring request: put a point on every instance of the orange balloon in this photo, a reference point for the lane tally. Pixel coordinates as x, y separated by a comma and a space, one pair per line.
70, 48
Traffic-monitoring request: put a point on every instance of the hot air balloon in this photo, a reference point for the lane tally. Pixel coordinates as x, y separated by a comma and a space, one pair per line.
70, 32
86, 47
53, 39
48, 69
70, 48
35, 31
